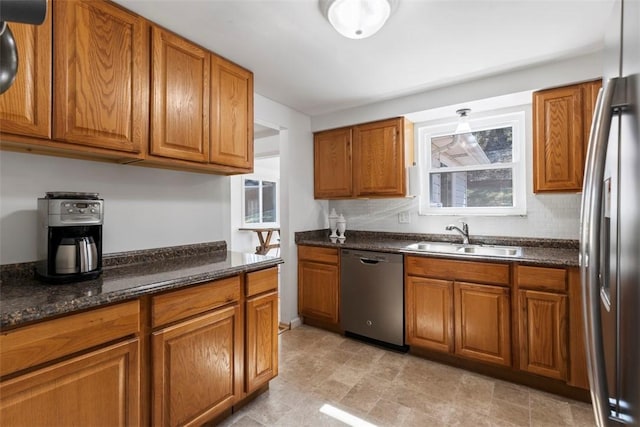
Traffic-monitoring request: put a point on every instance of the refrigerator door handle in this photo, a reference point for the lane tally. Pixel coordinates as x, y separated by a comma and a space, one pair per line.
591, 212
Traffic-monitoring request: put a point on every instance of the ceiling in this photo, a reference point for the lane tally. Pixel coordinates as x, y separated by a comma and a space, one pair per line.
299, 60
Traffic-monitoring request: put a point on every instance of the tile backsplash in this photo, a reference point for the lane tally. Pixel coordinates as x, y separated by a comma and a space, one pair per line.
554, 216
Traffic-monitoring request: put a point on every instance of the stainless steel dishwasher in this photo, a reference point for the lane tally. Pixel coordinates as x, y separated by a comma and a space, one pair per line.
372, 296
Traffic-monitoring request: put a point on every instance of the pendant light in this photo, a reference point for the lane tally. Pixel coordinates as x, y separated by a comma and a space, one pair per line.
357, 19
463, 135
463, 121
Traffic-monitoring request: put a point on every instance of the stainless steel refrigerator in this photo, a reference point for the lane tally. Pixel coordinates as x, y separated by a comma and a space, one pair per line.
610, 228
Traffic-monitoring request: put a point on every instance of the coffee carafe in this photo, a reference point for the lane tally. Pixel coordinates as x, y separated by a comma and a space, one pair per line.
70, 237
76, 255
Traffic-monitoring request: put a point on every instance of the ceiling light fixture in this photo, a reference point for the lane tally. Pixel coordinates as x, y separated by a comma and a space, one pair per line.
463, 121
463, 135
357, 19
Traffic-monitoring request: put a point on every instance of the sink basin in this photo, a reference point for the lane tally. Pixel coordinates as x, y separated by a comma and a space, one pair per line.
490, 250
434, 247
453, 248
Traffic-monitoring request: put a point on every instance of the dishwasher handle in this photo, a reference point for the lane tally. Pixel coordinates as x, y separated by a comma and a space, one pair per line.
369, 261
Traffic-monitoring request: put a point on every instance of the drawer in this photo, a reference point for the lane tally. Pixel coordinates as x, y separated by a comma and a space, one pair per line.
261, 281
183, 303
32, 345
314, 253
541, 278
471, 271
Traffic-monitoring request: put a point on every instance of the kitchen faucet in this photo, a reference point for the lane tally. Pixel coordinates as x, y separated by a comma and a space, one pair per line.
464, 232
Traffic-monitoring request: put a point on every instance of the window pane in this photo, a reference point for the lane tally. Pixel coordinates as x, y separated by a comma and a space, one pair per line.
475, 148
251, 201
483, 188
268, 201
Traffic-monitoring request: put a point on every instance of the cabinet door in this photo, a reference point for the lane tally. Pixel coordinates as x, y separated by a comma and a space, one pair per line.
590, 91
332, 173
262, 340
378, 159
542, 323
25, 108
482, 322
101, 72
194, 368
318, 286
180, 98
429, 304
558, 135
97, 388
231, 115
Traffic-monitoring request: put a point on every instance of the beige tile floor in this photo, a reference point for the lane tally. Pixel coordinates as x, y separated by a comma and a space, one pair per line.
319, 369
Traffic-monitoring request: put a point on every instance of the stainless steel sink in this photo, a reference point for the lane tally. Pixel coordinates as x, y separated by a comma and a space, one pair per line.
510, 251
454, 248
434, 247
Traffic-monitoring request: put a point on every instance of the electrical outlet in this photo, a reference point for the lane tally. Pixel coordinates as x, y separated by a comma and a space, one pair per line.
404, 217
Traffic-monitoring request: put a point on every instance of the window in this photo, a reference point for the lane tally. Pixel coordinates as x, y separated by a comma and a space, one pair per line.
260, 202
477, 173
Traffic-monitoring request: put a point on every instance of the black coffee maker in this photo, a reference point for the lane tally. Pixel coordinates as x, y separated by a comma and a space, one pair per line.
69, 237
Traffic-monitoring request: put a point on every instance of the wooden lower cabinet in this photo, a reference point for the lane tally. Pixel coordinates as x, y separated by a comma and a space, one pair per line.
319, 284
181, 357
262, 340
194, 366
429, 313
446, 313
98, 388
544, 323
543, 333
482, 322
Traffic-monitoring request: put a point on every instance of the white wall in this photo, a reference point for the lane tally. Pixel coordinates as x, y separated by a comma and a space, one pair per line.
557, 73
144, 208
298, 209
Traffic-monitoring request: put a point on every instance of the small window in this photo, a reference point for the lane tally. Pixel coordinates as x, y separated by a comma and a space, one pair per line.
476, 173
260, 201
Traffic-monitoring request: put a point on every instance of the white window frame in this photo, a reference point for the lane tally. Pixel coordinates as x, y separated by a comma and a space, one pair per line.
260, 178
426, 132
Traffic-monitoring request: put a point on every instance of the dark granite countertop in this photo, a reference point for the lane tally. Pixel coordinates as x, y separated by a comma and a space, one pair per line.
544, 252
23, 299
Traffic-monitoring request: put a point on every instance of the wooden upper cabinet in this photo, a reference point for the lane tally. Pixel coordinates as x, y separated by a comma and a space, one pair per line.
379, 161
332, 164
562, 119
101, 74
366, 160
180, 98
25, 108
591, 90
231, 115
